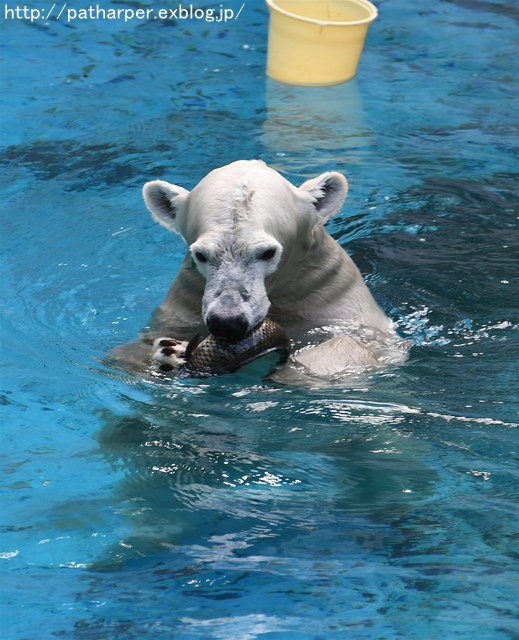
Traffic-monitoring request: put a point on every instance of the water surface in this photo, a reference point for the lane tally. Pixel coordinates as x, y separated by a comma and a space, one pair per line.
384, 506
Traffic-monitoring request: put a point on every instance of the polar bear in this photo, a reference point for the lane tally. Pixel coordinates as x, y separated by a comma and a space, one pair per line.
257, 248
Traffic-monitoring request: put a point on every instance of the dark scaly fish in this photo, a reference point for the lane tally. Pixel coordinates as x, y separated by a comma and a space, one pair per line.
215, 355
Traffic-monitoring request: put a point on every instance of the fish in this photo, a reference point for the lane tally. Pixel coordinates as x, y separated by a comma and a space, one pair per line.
215, 355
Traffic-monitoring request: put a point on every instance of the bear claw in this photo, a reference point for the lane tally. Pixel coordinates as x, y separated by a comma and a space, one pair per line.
166, 368
166, 342
168, 354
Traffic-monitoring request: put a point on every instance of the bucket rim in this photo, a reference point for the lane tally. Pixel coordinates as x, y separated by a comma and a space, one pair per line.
324, 23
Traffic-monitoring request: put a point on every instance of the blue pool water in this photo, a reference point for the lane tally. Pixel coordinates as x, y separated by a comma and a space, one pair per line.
383, 507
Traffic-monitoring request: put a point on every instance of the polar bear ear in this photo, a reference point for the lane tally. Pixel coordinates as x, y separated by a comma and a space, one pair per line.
327, 192
165, 201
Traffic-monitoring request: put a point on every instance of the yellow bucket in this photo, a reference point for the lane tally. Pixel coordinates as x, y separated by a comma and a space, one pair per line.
317, 42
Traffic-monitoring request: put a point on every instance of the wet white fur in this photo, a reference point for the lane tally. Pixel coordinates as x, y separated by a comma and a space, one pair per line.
229, 220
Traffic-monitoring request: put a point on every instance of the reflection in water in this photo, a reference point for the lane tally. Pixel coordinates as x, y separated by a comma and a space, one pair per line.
314, 127
221, 465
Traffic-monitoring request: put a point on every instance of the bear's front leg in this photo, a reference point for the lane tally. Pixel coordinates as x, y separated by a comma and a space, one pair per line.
168, 354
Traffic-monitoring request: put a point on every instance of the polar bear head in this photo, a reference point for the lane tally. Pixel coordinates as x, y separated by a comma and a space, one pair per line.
244, 225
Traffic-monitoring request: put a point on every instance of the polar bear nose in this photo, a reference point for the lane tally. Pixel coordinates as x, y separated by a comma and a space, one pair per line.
230, 327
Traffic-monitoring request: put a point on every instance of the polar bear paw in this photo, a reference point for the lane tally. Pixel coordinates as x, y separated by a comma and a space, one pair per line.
168, 354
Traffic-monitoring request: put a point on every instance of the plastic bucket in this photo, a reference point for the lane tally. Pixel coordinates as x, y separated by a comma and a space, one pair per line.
317, 42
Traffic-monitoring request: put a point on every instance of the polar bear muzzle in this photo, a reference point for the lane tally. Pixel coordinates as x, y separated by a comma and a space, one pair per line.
235, 300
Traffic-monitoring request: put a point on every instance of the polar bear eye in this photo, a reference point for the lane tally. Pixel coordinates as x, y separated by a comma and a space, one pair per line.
266, 255
200, 256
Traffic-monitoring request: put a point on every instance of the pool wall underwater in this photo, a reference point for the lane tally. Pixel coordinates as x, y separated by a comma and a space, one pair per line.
382, 506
